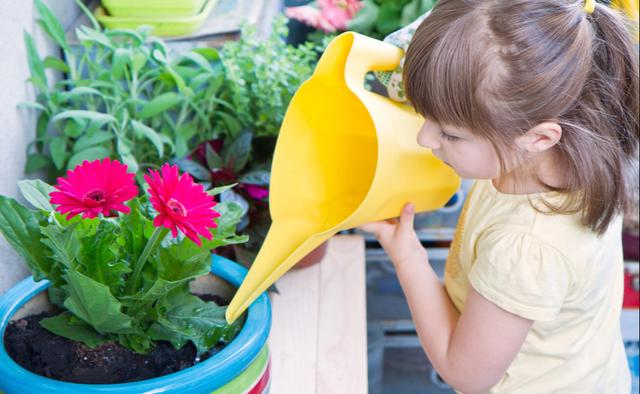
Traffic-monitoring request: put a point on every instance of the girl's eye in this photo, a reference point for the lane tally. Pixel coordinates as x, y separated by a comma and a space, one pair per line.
449, 137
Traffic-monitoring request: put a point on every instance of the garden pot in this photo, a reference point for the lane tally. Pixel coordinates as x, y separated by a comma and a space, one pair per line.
314, 257
152, 8
164, 26
240, 367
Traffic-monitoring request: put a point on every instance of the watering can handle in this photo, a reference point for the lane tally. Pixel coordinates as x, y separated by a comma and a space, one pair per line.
356, 55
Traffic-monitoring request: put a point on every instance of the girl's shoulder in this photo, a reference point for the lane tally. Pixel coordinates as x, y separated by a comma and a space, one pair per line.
528, 219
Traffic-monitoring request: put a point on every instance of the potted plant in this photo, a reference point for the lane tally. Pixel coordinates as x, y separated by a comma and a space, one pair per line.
119, 273
123, 95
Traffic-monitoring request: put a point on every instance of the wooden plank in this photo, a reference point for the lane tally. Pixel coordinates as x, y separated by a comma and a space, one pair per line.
318, 338
294, 332
342, 323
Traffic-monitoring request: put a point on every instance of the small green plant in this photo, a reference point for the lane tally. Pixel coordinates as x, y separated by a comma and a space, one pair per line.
123, 96
115, 270
261, 76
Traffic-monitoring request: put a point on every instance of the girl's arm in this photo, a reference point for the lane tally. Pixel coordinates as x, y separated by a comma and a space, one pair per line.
472, 350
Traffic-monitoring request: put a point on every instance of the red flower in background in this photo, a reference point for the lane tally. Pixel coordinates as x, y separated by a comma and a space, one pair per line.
93, 188
181, 203
327, 15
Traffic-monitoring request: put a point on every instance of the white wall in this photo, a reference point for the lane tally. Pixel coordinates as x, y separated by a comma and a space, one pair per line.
17, 126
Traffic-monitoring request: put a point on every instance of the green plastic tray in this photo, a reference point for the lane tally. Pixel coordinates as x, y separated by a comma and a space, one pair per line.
152, 8
160, 26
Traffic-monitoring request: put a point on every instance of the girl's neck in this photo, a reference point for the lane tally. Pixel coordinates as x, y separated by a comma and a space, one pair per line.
536, 176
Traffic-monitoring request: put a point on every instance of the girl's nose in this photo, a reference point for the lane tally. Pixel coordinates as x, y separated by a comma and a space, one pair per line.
428, 137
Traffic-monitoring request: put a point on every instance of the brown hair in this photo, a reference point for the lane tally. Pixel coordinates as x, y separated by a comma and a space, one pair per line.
499, 68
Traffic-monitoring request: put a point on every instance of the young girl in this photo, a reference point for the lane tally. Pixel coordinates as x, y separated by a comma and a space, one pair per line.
538, 101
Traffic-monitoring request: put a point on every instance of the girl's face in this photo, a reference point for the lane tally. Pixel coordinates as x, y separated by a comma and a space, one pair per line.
471, 156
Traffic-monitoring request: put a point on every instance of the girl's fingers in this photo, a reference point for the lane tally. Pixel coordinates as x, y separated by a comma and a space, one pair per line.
406, 218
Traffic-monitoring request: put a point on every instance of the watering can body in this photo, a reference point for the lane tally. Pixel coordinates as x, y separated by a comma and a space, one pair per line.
345, 156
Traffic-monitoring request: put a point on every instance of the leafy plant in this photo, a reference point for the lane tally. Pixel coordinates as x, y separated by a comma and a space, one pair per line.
261, 77
379, 18
114, 269
124, 96
244, 162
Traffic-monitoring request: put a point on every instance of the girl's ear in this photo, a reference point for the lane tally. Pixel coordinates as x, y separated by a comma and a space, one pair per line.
540, 138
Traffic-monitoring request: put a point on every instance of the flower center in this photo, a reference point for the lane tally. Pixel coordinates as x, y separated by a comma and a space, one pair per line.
94, 197
177, 207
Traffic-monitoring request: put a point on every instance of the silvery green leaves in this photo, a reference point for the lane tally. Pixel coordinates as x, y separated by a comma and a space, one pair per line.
123, 95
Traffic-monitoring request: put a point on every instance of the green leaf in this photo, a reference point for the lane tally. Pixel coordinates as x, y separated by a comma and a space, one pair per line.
218, 190
64, 243
121, 57
65, 325
35, 162
92, 302
130, 161
38, 77
52, 26
74, 128
258, 177
230, 215
198, 59
237, 154
89, 140
213, 159
89, 14
133, 237
78, 92
58, 148
185, 317
37, 193
32, 105
211, 54
90, 154
196, 170
86, 35
232, 123
231, 196
93, 116
147, 132
21, 228
56, 64
99, 259
159, 104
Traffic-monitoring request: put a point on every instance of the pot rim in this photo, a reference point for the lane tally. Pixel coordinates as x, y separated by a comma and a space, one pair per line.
208, 375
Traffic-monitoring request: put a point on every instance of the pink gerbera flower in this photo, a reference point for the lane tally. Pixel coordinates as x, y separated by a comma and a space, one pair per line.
181, 203
93, 188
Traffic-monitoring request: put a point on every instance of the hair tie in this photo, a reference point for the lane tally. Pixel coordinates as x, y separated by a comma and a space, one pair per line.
589, 6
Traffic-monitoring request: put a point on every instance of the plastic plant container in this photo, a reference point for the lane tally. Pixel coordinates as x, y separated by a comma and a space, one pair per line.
164, 26
240, 367
152, 8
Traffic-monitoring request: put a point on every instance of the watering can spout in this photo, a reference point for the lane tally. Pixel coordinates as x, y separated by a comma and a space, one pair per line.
344, 156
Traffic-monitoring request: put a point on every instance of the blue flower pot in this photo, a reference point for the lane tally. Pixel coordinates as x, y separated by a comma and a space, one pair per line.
226, 369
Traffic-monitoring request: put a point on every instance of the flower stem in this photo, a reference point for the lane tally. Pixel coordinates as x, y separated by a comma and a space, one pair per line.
158, 234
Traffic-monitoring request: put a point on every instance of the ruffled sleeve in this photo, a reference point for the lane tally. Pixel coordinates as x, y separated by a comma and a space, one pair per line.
521, 275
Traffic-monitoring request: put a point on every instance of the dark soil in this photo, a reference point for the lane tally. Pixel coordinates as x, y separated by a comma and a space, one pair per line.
46, 354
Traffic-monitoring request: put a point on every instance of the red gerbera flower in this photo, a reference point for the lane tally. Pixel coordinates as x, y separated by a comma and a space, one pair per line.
93, 188
181, 203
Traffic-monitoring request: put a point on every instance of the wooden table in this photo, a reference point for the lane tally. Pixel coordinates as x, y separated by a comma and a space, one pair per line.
318, 339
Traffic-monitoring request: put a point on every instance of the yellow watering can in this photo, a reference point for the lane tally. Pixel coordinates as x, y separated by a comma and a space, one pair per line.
345, 156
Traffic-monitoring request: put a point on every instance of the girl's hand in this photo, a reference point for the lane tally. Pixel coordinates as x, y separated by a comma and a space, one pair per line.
398, 237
